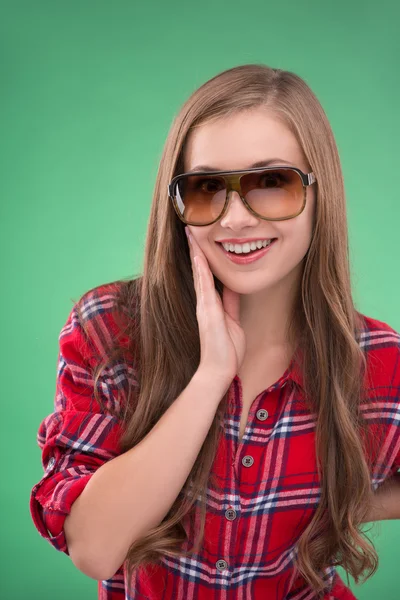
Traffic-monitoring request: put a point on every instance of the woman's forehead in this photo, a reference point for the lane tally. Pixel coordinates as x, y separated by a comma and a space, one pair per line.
241, 140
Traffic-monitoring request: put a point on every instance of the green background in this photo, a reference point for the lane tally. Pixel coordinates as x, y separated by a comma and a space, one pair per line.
88, 93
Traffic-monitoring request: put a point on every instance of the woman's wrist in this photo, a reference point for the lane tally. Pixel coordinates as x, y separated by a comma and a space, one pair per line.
213, 380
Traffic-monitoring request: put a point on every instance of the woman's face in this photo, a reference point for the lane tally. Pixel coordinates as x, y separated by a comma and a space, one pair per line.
235, 143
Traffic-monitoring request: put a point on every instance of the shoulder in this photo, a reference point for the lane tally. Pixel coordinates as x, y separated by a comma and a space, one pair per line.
381, 345
374, 332
96, 350
101, 316
101, 325
99, 303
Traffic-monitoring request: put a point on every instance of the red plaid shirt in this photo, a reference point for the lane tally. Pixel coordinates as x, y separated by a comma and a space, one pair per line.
271, 487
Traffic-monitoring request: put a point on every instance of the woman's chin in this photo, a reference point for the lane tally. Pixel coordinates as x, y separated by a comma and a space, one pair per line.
243, 287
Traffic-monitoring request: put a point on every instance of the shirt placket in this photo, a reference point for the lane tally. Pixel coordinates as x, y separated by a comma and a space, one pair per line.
242, 460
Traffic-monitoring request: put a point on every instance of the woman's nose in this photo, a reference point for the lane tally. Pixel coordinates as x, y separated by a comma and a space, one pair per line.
237, 214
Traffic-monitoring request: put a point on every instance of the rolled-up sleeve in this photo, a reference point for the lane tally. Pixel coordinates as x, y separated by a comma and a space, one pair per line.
77, 437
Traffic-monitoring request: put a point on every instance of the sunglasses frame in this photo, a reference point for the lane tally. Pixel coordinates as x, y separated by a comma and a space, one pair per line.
232, 179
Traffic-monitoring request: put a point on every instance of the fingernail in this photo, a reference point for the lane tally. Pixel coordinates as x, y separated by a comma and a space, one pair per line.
188, 234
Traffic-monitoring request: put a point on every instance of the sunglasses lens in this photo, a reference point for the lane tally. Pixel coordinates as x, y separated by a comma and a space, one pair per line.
273, 194
200, 199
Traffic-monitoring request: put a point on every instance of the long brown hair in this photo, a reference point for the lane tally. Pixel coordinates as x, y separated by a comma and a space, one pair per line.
162, 332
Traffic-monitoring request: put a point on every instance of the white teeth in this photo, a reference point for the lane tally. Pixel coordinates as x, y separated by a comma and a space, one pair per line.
245, 248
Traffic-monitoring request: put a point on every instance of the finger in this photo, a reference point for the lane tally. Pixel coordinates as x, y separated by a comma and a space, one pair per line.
231, 303
191, 253
197, 251
201, 265
203, 268
206, 292
209, 301
206, 271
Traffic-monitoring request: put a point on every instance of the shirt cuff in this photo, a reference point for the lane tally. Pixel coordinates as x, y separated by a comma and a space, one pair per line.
49, 518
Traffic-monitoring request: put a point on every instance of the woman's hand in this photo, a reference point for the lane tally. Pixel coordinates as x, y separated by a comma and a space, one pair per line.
222, 340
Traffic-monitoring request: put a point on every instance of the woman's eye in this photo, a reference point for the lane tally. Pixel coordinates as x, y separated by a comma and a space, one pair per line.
210, 185
271, 180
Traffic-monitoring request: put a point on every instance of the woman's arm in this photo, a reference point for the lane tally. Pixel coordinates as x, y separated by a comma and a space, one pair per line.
386, 503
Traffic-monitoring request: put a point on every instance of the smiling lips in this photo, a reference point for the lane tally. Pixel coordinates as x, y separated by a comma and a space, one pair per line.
248, 252
248, 246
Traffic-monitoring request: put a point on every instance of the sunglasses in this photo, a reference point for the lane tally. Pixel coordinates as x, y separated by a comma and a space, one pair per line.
270, 193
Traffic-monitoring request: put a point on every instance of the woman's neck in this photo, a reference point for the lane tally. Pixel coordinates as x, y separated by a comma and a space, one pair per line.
265, 317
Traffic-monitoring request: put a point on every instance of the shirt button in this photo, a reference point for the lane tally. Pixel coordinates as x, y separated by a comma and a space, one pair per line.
221, 565
247, 461
262, 414
230, 514
51, 463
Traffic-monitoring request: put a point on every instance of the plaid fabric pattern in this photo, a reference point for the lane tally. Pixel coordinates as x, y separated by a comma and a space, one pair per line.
269, 480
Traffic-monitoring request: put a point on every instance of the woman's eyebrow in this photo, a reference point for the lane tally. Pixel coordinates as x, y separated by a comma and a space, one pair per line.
260, 163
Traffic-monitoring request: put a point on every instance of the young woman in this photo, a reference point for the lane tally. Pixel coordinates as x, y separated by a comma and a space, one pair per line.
225, 423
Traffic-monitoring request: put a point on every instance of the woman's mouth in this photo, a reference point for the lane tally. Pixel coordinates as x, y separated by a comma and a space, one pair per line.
246, 257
